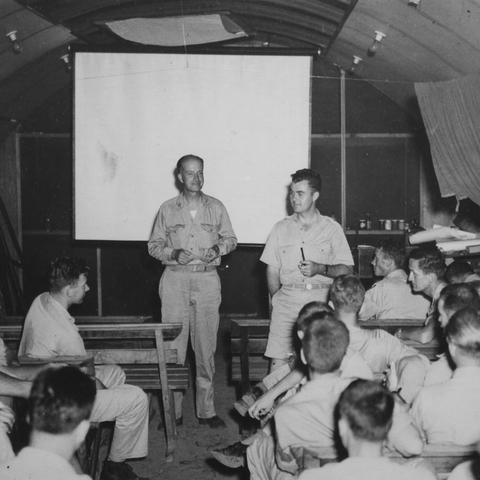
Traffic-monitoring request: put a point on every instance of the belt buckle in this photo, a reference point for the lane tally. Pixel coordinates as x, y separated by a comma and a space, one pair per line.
308, 286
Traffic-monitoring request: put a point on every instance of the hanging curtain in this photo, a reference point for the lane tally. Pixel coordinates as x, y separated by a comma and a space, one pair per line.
451, 113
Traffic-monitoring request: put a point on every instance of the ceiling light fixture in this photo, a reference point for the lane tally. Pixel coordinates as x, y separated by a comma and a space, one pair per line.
16, 47
355, 63
68, 65
413, 3
372, 51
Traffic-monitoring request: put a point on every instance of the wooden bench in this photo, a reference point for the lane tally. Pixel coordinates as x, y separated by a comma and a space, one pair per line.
443, 457
151, 368
249, 341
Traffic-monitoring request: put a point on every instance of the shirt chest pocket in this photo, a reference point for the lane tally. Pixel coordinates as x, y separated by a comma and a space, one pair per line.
175, 233
290, 257
208, 235
322, 253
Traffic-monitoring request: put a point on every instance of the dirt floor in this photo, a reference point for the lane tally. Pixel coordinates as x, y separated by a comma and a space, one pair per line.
193, 460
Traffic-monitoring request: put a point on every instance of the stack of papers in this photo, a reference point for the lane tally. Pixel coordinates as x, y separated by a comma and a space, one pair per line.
448, 239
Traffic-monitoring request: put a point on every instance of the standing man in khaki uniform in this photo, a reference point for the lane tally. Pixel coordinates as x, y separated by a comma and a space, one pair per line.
303, 253
190, 234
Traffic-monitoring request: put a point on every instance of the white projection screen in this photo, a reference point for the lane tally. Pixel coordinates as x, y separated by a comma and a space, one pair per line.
136, 114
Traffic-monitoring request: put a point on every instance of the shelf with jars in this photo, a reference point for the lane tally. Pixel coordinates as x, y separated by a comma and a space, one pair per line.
376, 232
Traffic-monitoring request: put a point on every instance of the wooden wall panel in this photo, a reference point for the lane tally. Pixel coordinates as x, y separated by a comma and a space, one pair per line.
46, 164
10, 181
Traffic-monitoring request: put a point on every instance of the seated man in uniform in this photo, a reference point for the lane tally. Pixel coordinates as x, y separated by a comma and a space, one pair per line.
307, 418
392, 297
460, 271
427, 270
452, 299
379, 349
15, 379
50, 331
365, 412
450, 412
59, 409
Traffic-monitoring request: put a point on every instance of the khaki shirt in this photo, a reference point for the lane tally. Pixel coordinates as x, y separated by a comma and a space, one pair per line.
393, 298
308, 419
324, 242
175, 229
378, 347
450, 412
50, 330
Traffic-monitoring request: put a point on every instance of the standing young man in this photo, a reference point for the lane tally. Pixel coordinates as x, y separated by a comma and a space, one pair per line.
190, 234
303, 253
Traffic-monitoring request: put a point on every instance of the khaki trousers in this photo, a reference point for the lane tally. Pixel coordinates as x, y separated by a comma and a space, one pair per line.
192, 299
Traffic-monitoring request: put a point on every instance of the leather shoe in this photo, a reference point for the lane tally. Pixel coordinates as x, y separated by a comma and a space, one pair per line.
232, 456
178, 423
213, 422
242, 405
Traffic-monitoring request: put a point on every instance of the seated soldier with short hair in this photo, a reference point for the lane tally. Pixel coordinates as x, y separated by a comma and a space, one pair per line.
365, 411
450, 412
379, 349
452, 299
392, 297
460, 271
59, 409
307, 418
50, 331
427, 271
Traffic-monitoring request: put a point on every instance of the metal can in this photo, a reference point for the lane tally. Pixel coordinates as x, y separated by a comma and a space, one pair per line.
388, 224
395, 224
381, 224
401, 224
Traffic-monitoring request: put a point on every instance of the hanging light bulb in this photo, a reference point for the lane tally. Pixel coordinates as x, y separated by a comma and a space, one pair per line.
68, 65
355, 63
16, 47
372, 51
